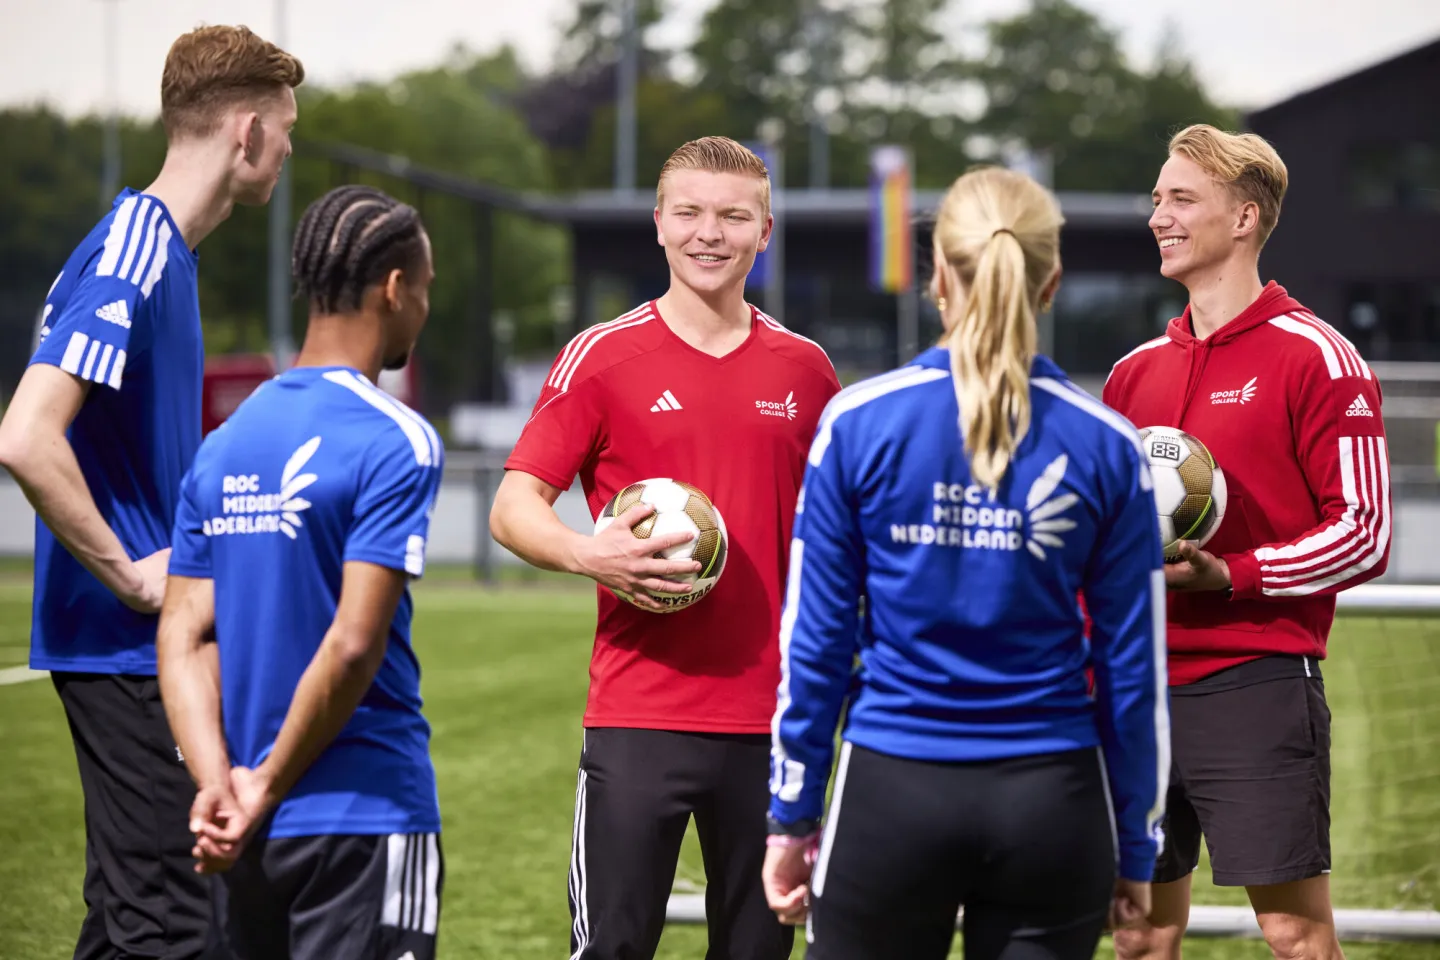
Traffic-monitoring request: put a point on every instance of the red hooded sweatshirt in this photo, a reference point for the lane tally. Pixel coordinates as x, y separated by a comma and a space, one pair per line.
1291, 413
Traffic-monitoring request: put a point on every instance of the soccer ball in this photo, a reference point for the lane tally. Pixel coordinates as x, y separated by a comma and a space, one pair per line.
1189, 488
678, 507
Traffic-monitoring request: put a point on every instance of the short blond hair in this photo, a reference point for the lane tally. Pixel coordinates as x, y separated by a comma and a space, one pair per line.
1244, 162
998, 233
212, 68
716, 155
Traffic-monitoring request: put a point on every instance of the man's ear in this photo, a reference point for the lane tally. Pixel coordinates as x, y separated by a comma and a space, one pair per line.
393, 284
1247, 219
250, 134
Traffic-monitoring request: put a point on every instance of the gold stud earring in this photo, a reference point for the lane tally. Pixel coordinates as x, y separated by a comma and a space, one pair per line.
940, 304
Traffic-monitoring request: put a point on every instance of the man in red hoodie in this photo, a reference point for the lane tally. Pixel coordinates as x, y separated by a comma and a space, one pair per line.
1291, 413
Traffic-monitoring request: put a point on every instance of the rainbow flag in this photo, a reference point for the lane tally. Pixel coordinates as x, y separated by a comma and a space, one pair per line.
892, 246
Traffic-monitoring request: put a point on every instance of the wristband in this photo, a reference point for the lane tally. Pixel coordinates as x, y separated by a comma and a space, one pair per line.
800, 828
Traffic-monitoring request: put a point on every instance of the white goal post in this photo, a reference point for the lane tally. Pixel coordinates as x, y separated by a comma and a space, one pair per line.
1368, 600
1205, 921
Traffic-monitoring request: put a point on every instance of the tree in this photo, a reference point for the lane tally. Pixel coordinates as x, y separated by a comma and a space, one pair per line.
458, 118
592, 38
869, 70
1056, 82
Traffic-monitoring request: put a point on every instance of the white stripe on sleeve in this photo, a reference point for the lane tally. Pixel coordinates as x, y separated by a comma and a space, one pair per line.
115, 239
419, 440
146, 250
1365, 541
90, 359
117, 369
568, 355
104, 363
157, 265
137, 235
74, 353
1327, 349
789, 775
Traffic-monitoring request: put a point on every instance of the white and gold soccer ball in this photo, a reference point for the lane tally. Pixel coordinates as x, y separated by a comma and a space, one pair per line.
1190, 489
679, 507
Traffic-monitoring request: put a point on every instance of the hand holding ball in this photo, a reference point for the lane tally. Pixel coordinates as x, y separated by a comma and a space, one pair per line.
1190, 490
678, 508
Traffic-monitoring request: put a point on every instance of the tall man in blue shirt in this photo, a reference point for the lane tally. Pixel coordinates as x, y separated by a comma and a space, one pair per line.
299, 529
101, 429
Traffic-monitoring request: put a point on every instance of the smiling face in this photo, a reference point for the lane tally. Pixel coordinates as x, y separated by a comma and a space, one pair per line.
711, 225
1198, 222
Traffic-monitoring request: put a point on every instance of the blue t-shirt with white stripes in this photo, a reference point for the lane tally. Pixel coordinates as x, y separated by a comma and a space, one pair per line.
971, 644
123, 314
317, 468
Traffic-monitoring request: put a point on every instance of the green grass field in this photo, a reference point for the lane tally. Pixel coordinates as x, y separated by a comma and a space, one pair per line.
504, 685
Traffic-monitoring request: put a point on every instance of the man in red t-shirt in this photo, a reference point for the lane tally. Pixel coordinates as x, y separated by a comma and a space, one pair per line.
1291, 413
697, 386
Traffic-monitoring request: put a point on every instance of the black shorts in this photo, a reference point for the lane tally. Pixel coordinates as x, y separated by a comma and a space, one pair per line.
324, 898
635, 794
1027, 845
143, 897
1251, 773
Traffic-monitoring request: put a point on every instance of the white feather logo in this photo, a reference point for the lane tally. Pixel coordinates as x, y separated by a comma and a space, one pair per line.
291, 484
1045, 522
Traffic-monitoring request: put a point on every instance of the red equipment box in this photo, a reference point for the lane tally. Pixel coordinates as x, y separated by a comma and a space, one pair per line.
228, 381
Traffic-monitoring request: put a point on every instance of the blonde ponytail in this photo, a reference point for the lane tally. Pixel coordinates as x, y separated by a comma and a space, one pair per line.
990, 353
998, 232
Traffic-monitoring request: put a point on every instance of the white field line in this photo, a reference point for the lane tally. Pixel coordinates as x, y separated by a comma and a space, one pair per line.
20, 675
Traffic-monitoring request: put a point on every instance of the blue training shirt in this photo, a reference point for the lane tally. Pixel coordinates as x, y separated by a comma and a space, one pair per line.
971, 645
124, 314
317, 468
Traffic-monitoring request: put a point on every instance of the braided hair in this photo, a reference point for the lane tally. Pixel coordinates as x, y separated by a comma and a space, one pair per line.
347, 240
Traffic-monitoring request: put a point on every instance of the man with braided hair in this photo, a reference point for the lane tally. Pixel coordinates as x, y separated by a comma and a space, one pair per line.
284, 644
103, 425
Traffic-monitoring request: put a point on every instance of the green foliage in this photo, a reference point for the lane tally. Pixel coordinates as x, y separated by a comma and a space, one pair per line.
456, 118
593, 34
1051, 79
1056, 81
671, 113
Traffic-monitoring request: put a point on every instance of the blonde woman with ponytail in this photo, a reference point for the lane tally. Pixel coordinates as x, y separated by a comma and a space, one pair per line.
969, 498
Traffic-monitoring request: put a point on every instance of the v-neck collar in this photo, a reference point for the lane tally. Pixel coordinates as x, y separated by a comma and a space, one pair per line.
744, 345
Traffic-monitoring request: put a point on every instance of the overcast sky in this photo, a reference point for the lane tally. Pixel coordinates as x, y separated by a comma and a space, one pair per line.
1250, 52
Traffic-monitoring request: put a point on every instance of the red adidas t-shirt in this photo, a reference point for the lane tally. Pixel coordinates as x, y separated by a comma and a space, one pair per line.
629, 400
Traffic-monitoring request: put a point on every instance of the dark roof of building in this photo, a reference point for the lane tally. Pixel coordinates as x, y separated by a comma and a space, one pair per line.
822, 207
600, 207
1429, 48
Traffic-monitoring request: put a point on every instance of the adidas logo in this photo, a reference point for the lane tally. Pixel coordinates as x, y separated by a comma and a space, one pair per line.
117, 313
1359, 408
666, 402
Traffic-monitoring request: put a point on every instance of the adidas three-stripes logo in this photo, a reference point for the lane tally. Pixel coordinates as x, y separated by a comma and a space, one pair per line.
666, 402
117, 313
1359, 408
